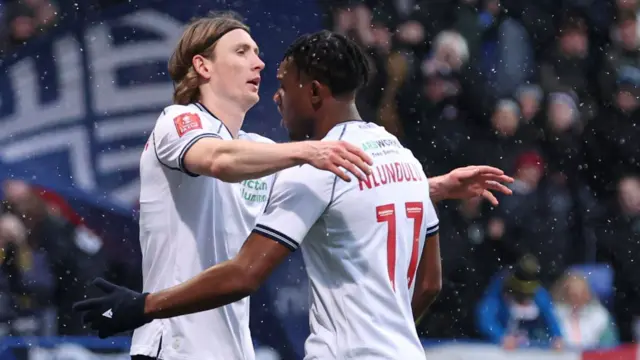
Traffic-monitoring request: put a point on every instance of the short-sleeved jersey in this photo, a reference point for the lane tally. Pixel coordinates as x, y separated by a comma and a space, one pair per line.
187, 224
361, 242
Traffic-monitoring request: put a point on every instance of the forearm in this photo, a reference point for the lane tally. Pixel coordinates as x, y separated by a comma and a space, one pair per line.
217, 286
437, 191
421, 303
239, 160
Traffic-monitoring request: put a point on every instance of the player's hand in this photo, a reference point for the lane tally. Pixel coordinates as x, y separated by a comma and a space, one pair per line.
472, 181
331, 155
118, 310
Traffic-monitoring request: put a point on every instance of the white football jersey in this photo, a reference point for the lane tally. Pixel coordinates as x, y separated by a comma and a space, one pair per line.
361, 242
187, 224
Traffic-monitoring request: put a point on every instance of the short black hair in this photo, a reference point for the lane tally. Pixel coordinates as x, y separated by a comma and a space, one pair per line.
331, 59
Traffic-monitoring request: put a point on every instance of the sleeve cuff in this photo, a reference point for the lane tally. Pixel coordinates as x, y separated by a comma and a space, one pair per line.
433, 229
188, 146
277, 236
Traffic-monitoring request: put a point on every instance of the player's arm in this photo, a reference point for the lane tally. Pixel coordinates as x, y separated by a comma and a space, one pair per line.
299, 198
238, 160
185, 141
221, 284
469, 182
429, 273
428, 278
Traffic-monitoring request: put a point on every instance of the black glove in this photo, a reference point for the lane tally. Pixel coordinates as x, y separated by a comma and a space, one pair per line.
119, 310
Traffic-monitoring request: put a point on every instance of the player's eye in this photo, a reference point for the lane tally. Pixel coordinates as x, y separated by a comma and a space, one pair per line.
241, 51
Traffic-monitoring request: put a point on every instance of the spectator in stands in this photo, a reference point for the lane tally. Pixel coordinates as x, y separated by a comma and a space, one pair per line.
505, 137
535, 218
462, 231
623, 54
501, 45
618, 244
530, 98
26, 282
585, 323
567, 68
28, 18
561, 131
72, 265
632, 6
516, 310
610, 141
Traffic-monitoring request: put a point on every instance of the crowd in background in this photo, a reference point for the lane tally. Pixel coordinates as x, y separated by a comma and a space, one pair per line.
546, 89
22, 20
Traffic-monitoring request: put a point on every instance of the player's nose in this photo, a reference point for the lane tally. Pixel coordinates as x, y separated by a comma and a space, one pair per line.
258, 64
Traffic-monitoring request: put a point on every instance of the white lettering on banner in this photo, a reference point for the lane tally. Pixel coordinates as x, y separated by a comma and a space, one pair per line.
292, 300
75, 140
73, 352
36, 129
30, 115
123, 159
492, 352
107, 59
125, 127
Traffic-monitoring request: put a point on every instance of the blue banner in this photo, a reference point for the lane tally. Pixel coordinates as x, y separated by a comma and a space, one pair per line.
77, 106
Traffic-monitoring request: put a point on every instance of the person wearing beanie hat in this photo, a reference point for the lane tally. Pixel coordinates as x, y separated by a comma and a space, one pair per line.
529, 169
517, 311
522, 283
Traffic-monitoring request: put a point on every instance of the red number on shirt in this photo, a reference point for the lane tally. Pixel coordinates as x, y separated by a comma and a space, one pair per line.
387, 213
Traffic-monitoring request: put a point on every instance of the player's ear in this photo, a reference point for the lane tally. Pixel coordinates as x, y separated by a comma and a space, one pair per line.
202, 66
316, 94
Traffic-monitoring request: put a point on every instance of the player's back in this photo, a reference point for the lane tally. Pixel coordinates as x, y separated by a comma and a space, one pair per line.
187, 224
362, 254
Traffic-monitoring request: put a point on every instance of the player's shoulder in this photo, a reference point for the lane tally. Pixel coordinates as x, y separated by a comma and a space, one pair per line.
254, 137
307, 174
174, 110
370, 136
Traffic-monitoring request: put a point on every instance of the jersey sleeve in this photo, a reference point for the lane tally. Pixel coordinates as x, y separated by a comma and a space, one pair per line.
431, 219
177, 130
299, 198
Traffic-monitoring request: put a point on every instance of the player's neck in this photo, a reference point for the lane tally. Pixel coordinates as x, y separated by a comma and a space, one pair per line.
231, 116
335, 115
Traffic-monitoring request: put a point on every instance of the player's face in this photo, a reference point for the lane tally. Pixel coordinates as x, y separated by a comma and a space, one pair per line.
294, 101
235, 69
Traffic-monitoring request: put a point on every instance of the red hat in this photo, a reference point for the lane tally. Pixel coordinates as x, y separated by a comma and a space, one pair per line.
530, 158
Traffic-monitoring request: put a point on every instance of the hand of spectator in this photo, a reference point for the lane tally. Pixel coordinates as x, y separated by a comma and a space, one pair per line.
469, 182
557, 344
510, 342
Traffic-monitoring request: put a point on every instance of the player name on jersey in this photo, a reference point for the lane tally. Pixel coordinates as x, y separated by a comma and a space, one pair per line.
391, 173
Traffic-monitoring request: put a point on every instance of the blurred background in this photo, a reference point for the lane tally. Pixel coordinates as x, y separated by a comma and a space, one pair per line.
548, 90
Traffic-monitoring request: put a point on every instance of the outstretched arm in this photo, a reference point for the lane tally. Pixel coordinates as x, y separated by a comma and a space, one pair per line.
469, 182
184, 141
221, 284
238, 160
